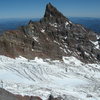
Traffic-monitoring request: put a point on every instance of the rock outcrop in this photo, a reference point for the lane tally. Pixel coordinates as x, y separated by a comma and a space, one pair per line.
5, 95
53, 98
52, 37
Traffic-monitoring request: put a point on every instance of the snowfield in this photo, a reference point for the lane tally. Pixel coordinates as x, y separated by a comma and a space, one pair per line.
69, 78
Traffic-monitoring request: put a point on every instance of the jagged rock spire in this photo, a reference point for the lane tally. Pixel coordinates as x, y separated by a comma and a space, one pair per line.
51, 11
54, 36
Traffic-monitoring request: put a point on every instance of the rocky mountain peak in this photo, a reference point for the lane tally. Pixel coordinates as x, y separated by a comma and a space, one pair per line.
54, 36
51, 11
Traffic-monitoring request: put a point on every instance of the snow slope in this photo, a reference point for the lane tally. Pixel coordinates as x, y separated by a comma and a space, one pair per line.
69, 78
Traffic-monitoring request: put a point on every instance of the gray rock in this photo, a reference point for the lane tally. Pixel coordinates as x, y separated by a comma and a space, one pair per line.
52, 37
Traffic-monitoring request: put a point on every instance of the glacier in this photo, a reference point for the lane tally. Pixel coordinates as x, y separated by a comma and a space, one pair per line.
43, 77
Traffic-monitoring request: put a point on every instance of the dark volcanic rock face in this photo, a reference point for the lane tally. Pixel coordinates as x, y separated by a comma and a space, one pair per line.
15, 43
57, 98
52, 37
5, 95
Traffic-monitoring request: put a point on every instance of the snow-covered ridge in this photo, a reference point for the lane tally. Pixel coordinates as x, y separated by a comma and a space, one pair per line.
42, 77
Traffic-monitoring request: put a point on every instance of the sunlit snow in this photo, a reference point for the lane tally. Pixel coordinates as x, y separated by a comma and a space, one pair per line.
42, 77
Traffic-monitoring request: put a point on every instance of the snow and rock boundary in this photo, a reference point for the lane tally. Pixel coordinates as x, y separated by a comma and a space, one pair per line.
45, 77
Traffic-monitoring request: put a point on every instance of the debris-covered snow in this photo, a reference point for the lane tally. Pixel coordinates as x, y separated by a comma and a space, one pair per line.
98, 36
54, 24
65, 37
42, 30
63, 50
96, 43
35, 38
69, 78
56, 42
87, 54
66, 23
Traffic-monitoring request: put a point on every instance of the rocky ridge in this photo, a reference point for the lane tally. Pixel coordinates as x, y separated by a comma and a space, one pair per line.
52, 37
5, 95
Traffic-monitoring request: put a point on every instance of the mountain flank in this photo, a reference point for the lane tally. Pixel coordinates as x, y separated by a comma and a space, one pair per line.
52, 37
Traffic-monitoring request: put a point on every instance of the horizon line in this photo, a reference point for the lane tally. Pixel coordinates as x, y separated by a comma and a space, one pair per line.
42, 17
